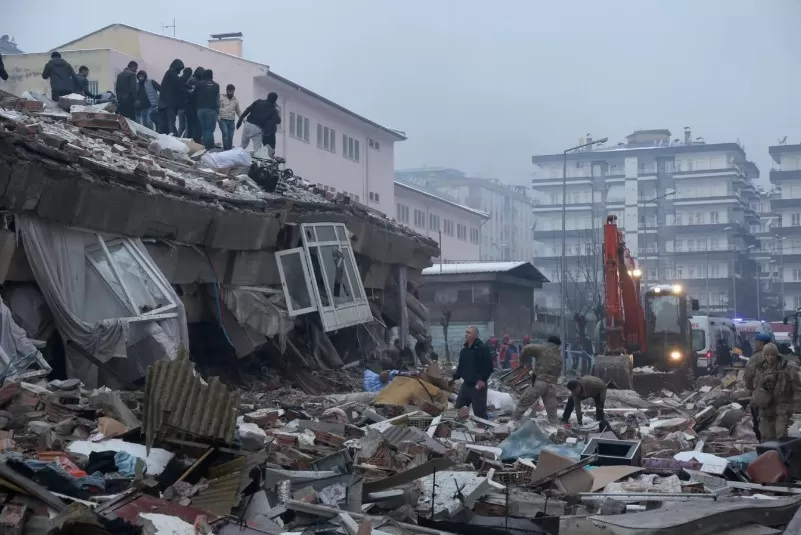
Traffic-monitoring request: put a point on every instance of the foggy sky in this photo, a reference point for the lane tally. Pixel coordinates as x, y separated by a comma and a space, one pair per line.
482, 86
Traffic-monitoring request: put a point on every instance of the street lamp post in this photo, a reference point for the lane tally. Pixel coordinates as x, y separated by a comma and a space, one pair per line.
781, 270
759, 283
645, 240
562, 271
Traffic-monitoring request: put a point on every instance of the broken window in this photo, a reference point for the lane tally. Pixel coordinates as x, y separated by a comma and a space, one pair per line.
119, 266
322, 275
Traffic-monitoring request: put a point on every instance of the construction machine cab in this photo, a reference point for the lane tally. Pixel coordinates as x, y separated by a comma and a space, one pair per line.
668, 335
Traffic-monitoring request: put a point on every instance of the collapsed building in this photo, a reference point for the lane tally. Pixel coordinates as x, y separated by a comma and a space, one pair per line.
119, 248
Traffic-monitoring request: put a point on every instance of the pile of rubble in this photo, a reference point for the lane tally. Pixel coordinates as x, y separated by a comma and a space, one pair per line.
188, 455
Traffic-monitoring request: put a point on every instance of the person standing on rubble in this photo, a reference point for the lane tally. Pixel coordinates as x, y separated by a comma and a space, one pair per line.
750, 375
261, 123
193, 130
474, 368
581, 389
61, 75
3, 73
127, 91
229, 112
148, 99
207, 98
83, 82
776, 385
172, 95
547, 368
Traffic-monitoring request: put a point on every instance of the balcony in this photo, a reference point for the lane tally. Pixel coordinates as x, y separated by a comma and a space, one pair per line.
776, 204
786, 231
777, 176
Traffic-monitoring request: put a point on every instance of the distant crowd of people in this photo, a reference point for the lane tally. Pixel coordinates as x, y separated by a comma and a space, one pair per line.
185, 104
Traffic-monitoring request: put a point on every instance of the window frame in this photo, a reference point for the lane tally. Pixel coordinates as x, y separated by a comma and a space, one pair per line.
307, 279
169, 311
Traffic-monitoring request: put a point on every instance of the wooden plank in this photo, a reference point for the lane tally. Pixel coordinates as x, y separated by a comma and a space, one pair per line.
348, 523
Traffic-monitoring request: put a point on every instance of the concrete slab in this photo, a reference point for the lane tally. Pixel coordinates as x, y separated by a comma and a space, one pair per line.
454, 492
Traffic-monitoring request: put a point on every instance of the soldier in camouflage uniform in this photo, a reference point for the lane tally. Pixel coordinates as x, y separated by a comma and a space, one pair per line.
750, 373
776, 384
547, 368
581, 389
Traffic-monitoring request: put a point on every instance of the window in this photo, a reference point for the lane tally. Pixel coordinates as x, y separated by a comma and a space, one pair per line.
447, 227
299, 126
679, 272
797, 275
795, 220
403, 213
461, 232
373, 144
474, 236
93, 87
715, 268
714, 218
691, 272
323, 275
433, 221
375, 197
715, 244
350, 148
419, 218
326, 138
138, 286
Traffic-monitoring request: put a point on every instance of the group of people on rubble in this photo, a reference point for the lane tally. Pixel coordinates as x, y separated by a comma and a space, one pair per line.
187, 103
773, 380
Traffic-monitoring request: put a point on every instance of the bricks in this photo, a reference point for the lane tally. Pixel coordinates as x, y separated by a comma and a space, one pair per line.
329, 439
12, 519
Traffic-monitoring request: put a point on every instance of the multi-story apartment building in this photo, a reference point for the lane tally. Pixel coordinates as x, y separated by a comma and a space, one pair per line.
506, 235
454, 226
785, 206
685, 208
322, 141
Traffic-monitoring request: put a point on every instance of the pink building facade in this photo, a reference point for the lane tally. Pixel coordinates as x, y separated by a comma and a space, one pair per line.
457, 228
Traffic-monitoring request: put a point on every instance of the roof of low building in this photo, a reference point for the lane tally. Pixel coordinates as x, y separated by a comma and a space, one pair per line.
430, 195
519, 269
8, 46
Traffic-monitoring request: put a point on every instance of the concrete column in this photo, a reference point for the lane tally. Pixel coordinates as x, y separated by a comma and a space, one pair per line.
631, 212
403, 328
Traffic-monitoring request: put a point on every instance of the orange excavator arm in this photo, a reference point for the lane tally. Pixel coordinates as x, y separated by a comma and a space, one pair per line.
625, 319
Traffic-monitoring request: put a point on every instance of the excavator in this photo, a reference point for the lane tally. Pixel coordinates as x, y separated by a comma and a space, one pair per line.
650, 330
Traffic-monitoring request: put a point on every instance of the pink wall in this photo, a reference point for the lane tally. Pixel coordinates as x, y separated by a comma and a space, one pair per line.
375, 170
452, 248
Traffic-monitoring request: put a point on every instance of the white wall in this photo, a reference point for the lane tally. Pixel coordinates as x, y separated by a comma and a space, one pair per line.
374, 172
453, 248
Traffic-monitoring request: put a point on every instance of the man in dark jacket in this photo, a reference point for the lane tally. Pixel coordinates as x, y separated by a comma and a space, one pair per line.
3, 73
207, 98
172, 95
83, 82
148, 99
127, 91
262, 123
61, 75
192, 122
474, 368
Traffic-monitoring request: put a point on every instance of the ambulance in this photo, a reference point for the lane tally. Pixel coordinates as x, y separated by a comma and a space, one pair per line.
705, 331
747, 331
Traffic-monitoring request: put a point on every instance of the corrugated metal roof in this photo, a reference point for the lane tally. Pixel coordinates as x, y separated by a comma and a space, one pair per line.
221, 496
472, 267
177, 402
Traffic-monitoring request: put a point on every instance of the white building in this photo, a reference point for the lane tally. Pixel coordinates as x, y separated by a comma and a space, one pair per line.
322, 141
685, 208
454, 226
785, 233
506, 235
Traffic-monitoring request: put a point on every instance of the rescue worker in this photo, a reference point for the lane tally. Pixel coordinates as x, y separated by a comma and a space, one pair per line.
474, 368
750, 373
776, 384
581, 389
547, 368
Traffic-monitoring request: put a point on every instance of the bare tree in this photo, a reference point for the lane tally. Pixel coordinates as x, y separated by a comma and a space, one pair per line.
583, 285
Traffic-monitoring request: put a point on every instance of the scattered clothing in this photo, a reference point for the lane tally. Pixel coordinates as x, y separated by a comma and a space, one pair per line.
372, 381
126, 464
102, 462
62, 77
